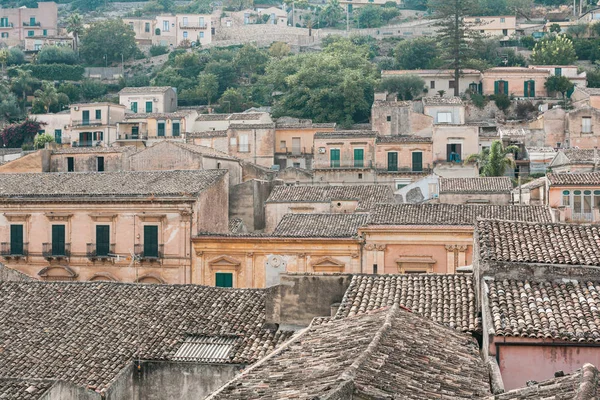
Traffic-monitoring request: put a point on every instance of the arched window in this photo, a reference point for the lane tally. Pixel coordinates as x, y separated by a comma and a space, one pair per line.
566, 198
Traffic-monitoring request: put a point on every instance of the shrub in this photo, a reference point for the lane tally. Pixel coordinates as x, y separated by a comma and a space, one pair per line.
40, 140
57, 55
158, 50
15, 56
52, 72
524, 108
502, 101
479, 100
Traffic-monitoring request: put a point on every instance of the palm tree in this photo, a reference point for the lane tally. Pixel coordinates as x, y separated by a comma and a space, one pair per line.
75, 26
23, 84
493, 161
47, 95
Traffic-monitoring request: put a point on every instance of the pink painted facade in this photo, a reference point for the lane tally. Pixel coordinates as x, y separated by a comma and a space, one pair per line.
576, 203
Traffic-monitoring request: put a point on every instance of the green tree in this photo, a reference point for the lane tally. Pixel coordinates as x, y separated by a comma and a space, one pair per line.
208, 87
454, 33
87, 5
72, 91
495, 160
406, 87
250, 60
15, 56
231, 101
9, 106
3, 58
369, 16
520, 7
577, 30
225, 71
388, 13
46, 96
416, 4
40, 140
159, 6
279, 49
106, 41
23, 85
16, 134
332, 13
169, 76
559, 84
76, 28
555, 28
91, 89
553, 50
593, 78
57, 55
419, 53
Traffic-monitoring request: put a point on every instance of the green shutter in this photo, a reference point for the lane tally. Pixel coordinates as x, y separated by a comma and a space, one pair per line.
102, 240
58, 136
334, 157
150, 241
32, 21
134, 106
149, 107
16, 239
85, 117
526, 88
505, 87
98, 114
224, 279
161, 129
58, 240
176, 129
496, 87
558, 71
417, 161
359, 156
392, 161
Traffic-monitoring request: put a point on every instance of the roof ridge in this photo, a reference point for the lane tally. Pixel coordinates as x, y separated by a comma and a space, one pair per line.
589, 382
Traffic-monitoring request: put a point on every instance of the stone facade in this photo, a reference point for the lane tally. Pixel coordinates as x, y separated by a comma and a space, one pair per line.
18, 23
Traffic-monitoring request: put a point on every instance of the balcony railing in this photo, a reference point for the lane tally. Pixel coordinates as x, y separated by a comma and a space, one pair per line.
8, 249
94, 251
406, 170
192, 26
133, 136
30, 24
87, 122
295, 151
9, 25
86, 143
149, 252
352, 164
56, 251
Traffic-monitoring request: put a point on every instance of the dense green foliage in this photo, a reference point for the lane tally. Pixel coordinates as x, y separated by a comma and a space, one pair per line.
553, 50
406, 87
493, 161
108, 41
57, 55
54, 72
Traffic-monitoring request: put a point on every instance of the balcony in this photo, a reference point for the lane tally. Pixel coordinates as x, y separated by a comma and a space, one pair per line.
193, 26
133, 136
86, 143
150, 253
99, 252
406, 170
32, 24
7, 26
295, 151
14, 250
50, 251
86, 122
343, 164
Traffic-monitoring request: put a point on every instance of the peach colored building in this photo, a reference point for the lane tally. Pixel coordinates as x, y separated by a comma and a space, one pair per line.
437, 80
84, 226
151, 128
502, 26
314, 243
584, 96
294, 140
399, 118
516, 81
254, 143
430, 238
575, 195
16, 24
172, 30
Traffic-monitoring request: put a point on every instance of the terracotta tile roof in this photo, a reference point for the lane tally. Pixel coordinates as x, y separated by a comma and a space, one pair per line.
144, 89
581, 385
446, 299
213, 117
577, 179
453, 214
403, 139
26, 389
391, 353
87, 332
546, 243
247, 116
476, 185
108, 184
367, 195
345, 134
236, 225
93, 150
207, 134
252, 126
320, 225
564, 310
442, 101
580, 155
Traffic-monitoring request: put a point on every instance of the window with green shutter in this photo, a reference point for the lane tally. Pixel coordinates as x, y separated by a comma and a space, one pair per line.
359, 158
4, 22
149, 107
134, 106
529, 88
102, 240
98, 114
58, 240
334, 157
16, 239
30, 33
392, 161
176, 128
161, 129
224, 279
85, 117
151, 241
417, 161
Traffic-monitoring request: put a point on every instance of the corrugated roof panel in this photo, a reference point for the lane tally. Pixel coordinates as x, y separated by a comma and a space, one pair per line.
209, 349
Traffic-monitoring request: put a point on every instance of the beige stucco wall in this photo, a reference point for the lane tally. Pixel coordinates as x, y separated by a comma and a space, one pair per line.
466, 135
346, 146
53, 122
194, 28
457, 111
554, 126
516, 80
574, 126
261, 145
403, 121
161, 102
275, 211
139, 27
46, 15
466, 198
404, 151
88, 162
217, 143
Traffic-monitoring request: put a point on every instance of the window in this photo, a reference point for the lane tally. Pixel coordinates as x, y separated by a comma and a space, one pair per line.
58, 136
16, 240
185, 21
587, 201
374, 268
432, 85
444, 117
243, 146
102, 240
360, 176
151, 241
389, 118
30, 33
296, 165
131, 26
32, 21
529, 88
185, 35
45, 32
577, 202
160, 131
392, 161
166, 26
149, 107
558, 71
451, 84
417, 161
176, 128
586, 125
98, 114
4, 22
201, 22
359, 158
502, 20
454, 152
134, 106
85, 117
501, 87
147, 27
282, 145
597, 199
334, 158
4, 34
566, 198
296, 145
224, 279
100, 164
70, 164
201, 35
400, 183
58, 240
504, 32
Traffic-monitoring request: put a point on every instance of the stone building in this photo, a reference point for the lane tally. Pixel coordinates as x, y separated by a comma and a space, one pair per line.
84, 226
149, 99
88, 159
16, 24
430, 238
294, 140
220, 122
576, 160
576, 196
345, 199
537, 285
489, 190
399, 118
147, 129
501, 27
442, 80
173, 30
253, 143
444, 110
584, 96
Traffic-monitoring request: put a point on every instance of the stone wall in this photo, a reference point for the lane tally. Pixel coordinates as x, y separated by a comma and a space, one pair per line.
247, 200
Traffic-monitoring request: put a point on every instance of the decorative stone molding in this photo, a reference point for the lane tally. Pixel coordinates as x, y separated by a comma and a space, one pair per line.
354, 255
17, 217
380, 247
249, 254
58, 216
328, 264
369, 246
101, 217
224, 263
150, 278
152, 217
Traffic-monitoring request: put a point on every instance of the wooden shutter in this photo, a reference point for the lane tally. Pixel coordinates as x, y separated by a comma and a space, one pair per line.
16, 239
359, 156
85, 117
176, 128
448, 152
134, 106
161, 129
335, 157
505, 87
417, 161
392, 161
149, 107
150, 241
102, 240
496, 87
224, 279
58, 240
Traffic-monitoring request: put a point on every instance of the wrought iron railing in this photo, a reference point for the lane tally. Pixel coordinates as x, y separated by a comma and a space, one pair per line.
149, 252
14, 249
99, 251
55, 250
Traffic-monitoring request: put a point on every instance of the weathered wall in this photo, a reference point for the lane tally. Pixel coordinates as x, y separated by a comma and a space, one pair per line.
212, 208
275, 211
404, 151
465, 198
246, 201
457, 111
300, 298
165, 156
34, 162
574, 126
68, 391
88, 162
466, 135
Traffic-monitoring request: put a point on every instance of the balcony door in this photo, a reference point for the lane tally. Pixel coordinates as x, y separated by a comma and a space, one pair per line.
359, 158
16, 239
417, 161
150, 241
102, 240
334, 156
392, 161
58, 240
85, 117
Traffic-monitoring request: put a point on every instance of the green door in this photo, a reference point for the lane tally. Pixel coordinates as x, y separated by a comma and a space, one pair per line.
31, 21
417, 161
58, 240
102, 240
135, 132
359, 158
134, 106
529, 88
176, 129
151, 241
161, 129
223, 279
149, 107
16, 239
392, 161
58, 136
85, 117
334, 157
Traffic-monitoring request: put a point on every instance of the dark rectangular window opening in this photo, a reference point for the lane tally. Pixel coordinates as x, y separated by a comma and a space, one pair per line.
16, 239
151, 241
224, 279
100, 164
70, 164
374, 268
58, 240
